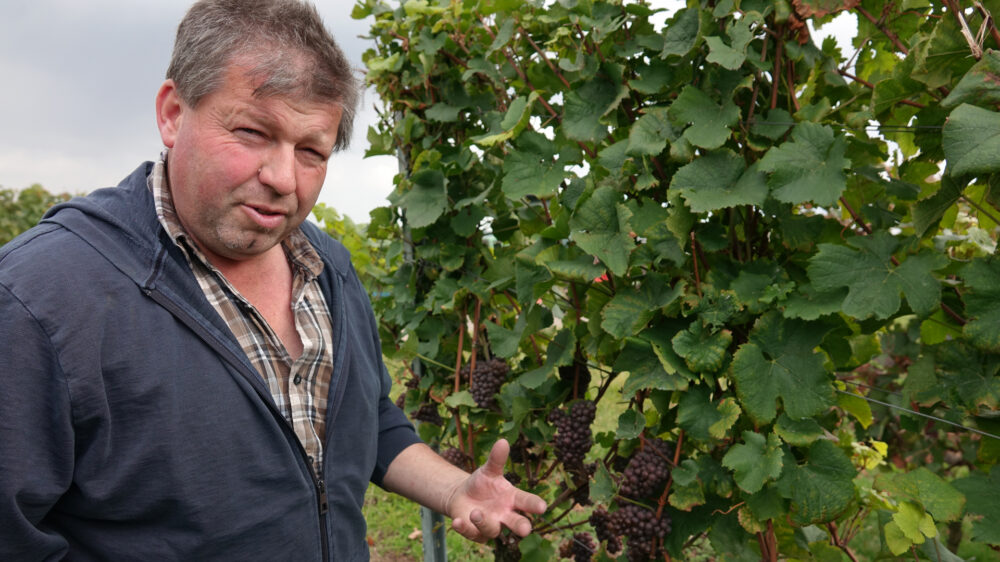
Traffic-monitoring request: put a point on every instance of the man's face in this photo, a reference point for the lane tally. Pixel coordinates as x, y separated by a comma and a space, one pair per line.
244, 171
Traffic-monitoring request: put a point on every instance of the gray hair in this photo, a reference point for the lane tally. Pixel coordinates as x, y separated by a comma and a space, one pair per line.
286, 43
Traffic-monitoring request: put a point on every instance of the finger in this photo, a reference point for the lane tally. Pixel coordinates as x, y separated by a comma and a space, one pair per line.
485, 526
529, 503
467, 530
497, 459
519, 524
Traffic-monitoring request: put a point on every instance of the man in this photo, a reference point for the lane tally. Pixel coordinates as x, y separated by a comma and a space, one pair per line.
192, 372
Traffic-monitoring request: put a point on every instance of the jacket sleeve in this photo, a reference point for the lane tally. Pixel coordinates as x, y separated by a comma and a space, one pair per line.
36, 435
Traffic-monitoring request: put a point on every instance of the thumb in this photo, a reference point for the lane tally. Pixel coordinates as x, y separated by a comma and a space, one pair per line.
497, 459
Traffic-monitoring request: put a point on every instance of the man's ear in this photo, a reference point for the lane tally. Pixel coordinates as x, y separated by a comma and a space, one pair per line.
169, 110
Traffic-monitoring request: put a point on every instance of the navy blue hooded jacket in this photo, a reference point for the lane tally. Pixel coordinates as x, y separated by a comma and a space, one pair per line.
132, 425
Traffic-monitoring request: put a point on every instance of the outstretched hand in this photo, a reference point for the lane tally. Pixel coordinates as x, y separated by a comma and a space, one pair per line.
486, 500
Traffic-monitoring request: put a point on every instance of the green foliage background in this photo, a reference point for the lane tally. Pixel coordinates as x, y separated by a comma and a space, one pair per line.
783, 251
21, 209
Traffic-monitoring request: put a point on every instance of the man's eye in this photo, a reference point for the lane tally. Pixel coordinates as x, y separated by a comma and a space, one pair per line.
249, 131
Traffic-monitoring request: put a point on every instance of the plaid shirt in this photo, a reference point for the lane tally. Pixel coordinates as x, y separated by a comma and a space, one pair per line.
299, 387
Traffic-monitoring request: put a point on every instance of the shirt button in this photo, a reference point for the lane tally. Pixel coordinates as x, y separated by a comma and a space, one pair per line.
297, 379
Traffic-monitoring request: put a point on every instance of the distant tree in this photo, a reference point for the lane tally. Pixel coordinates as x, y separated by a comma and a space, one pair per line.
21, 209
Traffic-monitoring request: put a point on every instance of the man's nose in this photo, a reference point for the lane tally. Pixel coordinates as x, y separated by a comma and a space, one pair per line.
277, 170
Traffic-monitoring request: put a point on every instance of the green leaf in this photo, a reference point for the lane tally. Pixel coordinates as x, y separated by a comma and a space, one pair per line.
857, 406
532, 169
921, 485
645, 369
774, 126
630, 425
719, 180
462, 398
627, 313
982, 495
602, 488
558, 354
426, 200
971, 141
800, 433
914, 522
534, 548
896, 539
822, 488
710, 122
703, 350
779, 362
585, 105
697, 415
755, 461
927, 212
504, 342
650, 133
682, 33
810, 167
982, 303
600, 227
514, 121
980, 85
873, 283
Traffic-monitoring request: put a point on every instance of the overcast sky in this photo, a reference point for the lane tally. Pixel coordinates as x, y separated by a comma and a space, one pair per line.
77, 84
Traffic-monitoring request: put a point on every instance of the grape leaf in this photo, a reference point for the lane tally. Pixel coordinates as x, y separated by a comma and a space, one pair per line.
921, 485
982, 496
809, 167
801, 433
710, 122
682, 33
631, 308
755, 461
980, 85
873, 283
532, 169
560, 352
586, 105
719, 180
982, 303
703, 350
700, 418
971, 141
650, 133
779, 362
821, 488
645, 369
600, 227
426, 200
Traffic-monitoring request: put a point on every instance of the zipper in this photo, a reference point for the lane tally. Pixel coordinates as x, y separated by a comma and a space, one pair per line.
323, 505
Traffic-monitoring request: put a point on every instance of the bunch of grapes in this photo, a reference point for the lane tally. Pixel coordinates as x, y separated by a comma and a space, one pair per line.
456, 457
428, 413
506, 547
573, 437
581, 548
648, 471
487, 378
600, 520
642, 529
